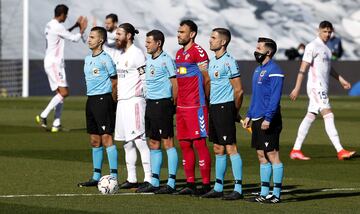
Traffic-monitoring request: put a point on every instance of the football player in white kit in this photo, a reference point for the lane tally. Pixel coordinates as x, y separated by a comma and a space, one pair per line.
111, 22
130, 112
317, 56
56, 33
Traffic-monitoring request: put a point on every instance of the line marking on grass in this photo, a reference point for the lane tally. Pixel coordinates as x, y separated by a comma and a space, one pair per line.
132, 194
327, 189
72, 195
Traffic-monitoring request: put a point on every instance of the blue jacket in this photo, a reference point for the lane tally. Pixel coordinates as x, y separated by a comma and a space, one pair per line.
267, 84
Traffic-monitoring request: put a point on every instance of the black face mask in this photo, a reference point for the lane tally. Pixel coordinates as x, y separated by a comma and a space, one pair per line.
259, 57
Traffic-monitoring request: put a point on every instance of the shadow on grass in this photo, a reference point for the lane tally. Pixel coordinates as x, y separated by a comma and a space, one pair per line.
20, 208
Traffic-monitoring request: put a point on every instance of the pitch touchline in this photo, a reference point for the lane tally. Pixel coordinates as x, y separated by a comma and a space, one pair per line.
132, 194
71, 195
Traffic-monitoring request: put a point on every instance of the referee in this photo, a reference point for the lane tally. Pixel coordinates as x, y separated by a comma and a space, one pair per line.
101, 81
264, 112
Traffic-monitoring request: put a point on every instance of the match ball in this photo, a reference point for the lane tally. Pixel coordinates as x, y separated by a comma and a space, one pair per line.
108, 185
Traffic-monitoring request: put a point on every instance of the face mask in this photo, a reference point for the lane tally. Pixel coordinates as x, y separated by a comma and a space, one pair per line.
259, 57
301, 51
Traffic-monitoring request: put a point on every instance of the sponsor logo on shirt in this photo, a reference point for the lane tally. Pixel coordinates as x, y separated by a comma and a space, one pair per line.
182, 70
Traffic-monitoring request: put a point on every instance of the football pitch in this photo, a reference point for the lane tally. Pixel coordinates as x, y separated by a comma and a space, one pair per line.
39, 170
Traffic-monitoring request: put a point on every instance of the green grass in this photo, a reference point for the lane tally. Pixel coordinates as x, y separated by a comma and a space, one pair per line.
33, 161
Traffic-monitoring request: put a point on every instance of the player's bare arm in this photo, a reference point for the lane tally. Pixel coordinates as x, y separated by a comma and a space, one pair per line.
238, 95
114, 87
302, 71
344, 83
174, 89
203, 66
83, 24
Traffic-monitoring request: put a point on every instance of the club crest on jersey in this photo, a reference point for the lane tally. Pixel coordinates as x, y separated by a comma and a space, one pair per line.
182, 70
261, 75
95, 72
187, 56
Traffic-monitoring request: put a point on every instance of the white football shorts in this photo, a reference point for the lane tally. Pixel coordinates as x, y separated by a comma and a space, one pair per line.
318, 100
130, 119
56, 74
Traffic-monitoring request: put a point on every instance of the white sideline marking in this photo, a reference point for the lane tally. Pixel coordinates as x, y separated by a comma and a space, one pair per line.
72, 195
327, 189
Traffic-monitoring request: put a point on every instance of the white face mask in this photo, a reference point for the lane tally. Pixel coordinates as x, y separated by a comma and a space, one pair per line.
301, 51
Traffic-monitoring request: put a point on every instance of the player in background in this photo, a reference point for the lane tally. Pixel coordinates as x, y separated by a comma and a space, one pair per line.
56, 33
192, 111
265, 115
111, 22
130, 112
226, 95
317, 56
100, 77
161, 96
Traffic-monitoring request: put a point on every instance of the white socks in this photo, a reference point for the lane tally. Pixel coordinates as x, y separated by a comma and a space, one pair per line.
58, 111
303, 130
53, 102
131, 157
145, 156
331, 131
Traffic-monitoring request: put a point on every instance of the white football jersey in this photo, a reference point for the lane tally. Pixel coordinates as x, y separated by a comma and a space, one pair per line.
131, 73
110, 45
319, 56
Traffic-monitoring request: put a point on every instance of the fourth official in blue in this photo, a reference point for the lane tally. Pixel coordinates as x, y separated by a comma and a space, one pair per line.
226, 95
265, 115
101, 82
161, 93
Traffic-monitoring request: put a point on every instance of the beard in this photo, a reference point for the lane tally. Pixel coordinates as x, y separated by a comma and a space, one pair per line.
121, 44
183, 42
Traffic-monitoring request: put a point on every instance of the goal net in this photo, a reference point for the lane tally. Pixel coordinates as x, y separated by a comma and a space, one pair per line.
12, 48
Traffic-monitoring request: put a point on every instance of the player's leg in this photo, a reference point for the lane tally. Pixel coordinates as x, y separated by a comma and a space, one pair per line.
140, 138
301, 135
333, 135
187, 150
106, 121
257, 142
172, 166
278, 173
236, 165
217, 121
58, 83
220, 169
189, 167
64, 92
272, 139
95, 142
305, 125
122, 110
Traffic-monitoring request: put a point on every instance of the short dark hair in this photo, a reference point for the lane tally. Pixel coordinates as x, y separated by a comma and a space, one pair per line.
193, 27
113, 17
129, 28
271, 44
102, 32
326, 24
157, 35
60, 9
224, 32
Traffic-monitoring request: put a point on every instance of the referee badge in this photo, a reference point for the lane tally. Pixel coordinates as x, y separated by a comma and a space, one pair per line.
95, 72
216, 74
152, 71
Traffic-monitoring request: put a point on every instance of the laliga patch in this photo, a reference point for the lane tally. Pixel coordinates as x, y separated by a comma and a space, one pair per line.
95, 72
216, 74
